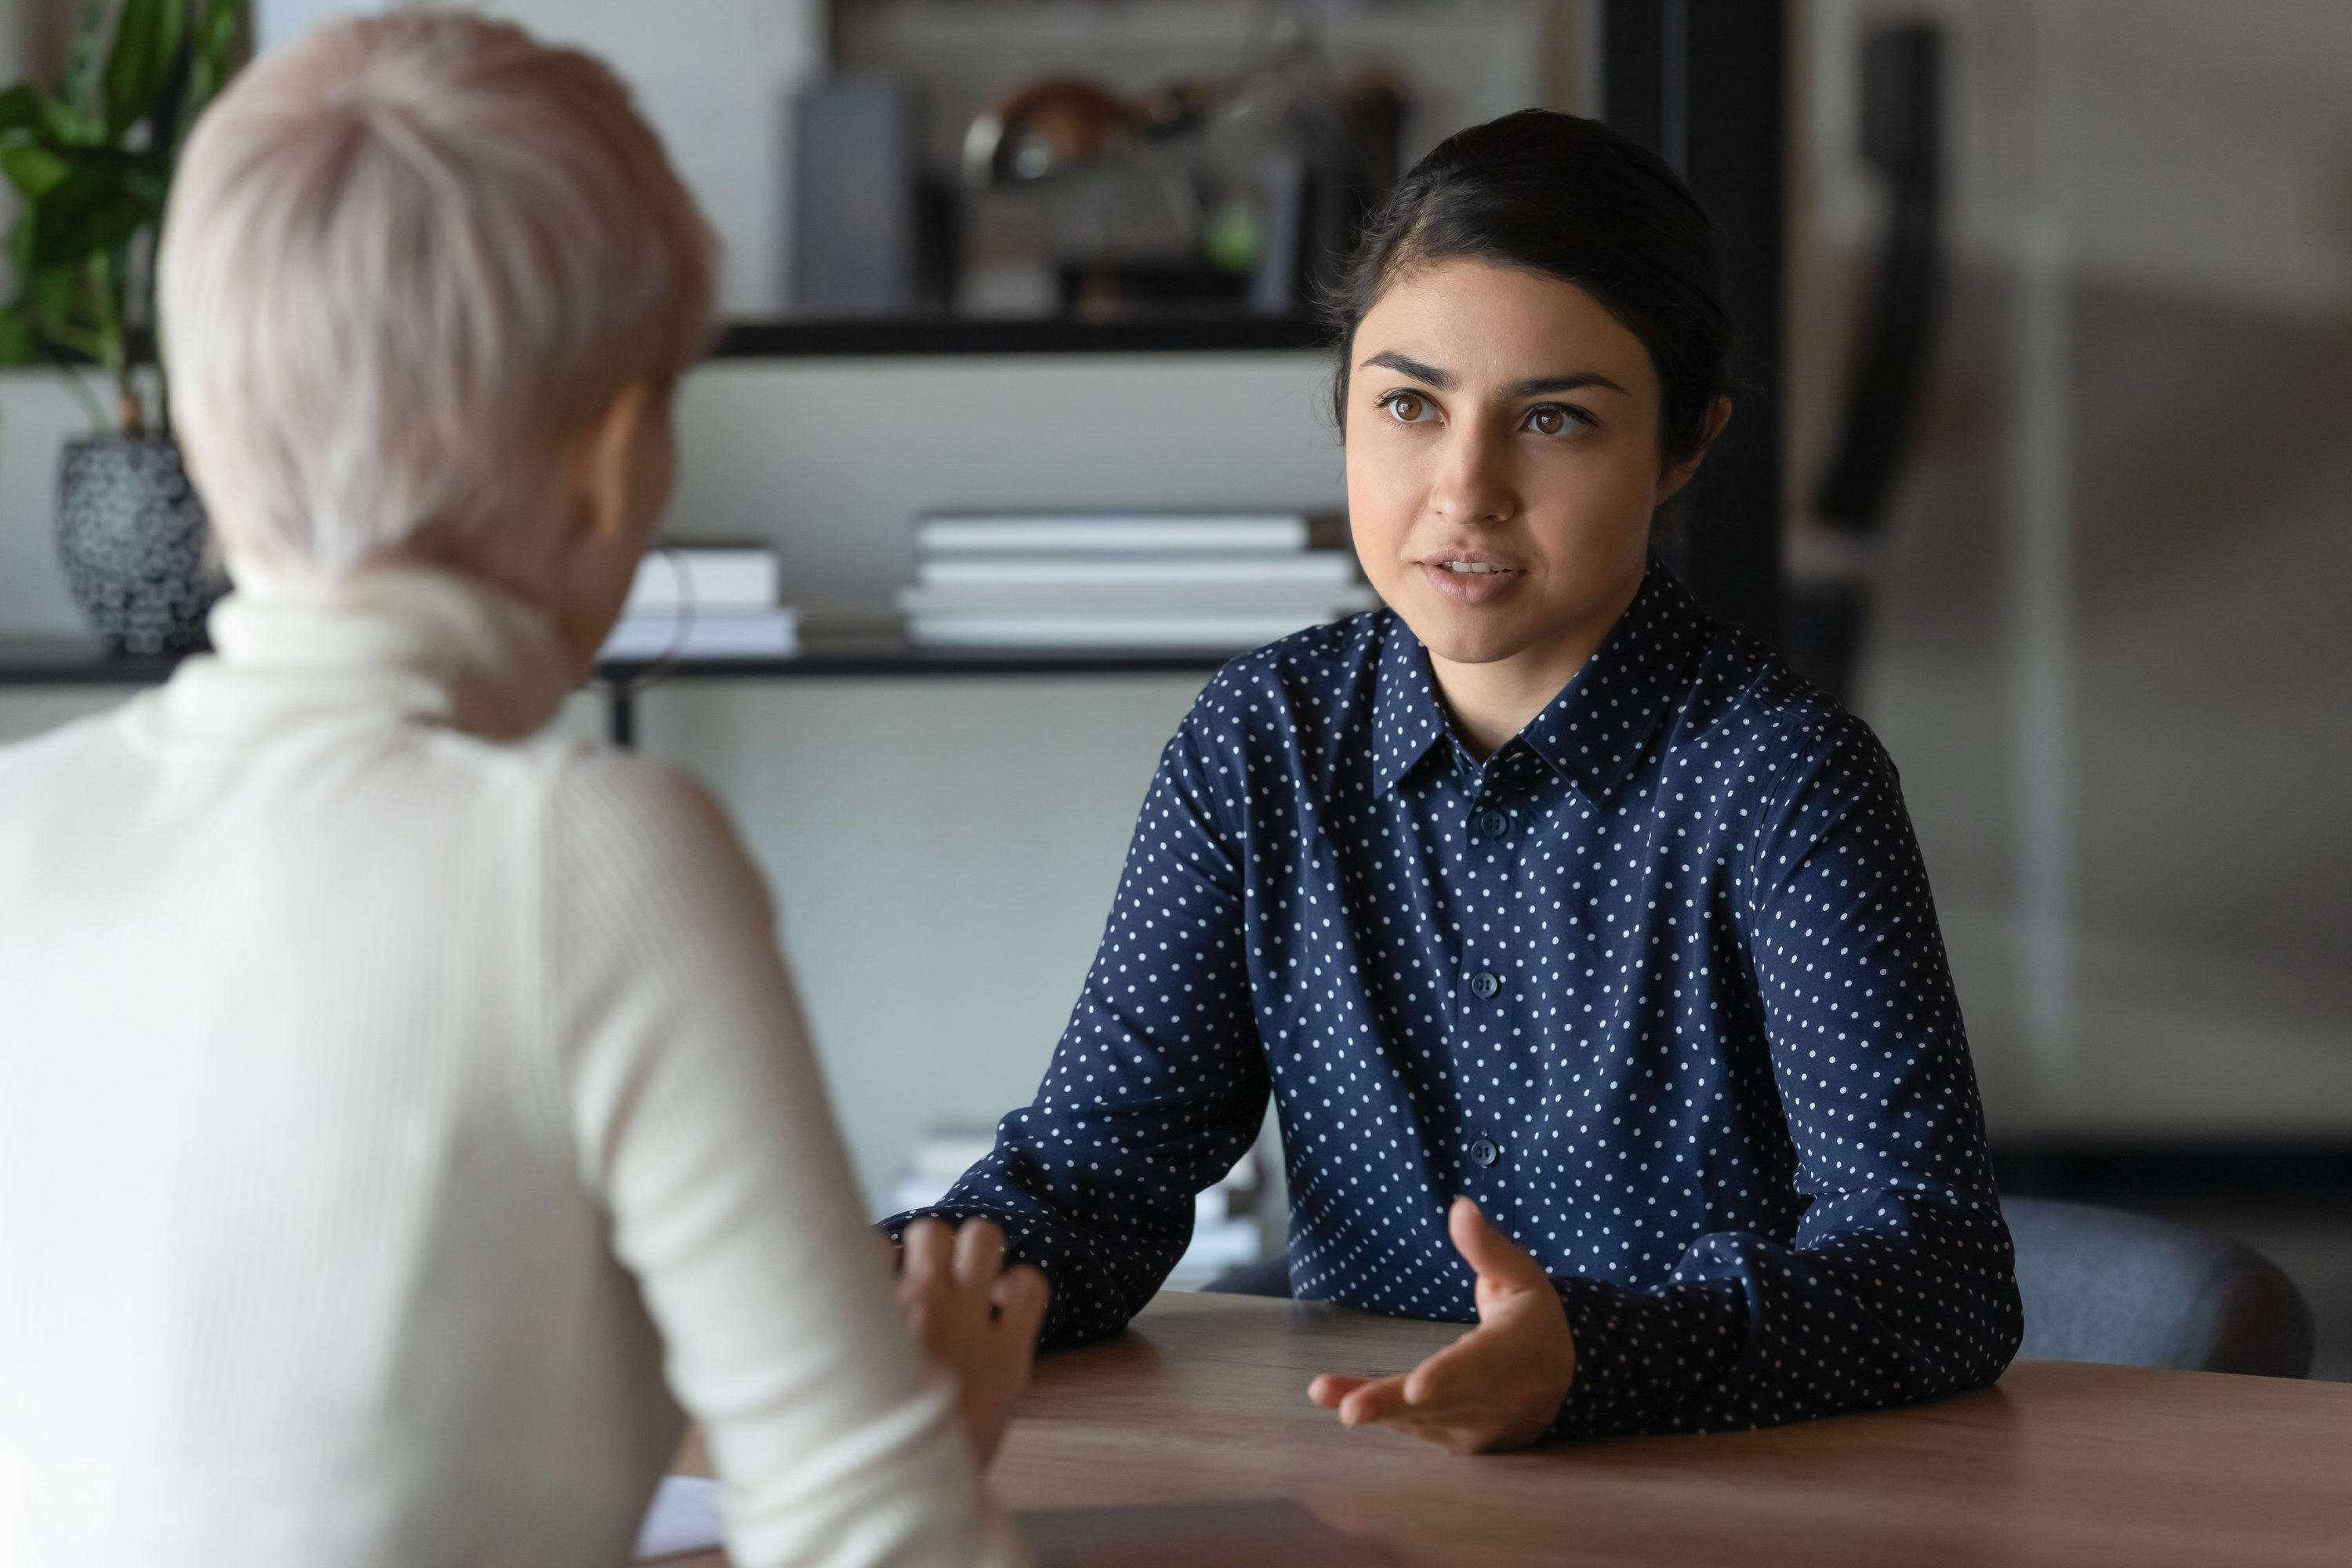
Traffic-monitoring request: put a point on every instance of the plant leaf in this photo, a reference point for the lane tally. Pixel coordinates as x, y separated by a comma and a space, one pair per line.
57, 303
16, 345
20, 110
146, 48
214, 59
100, 205
34, 169
38, 167
77, 93
63, 123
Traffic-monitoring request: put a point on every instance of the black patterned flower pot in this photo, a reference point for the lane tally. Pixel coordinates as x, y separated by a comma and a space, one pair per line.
130, 535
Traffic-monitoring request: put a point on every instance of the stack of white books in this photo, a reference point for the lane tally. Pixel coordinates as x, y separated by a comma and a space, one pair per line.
940, 1157
1124, 580
1225, 1229
706, 600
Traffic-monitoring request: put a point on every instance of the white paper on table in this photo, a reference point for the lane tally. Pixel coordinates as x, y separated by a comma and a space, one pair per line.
684, 1518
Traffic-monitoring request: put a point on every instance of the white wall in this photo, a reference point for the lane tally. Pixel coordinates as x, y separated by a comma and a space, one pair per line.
944, 850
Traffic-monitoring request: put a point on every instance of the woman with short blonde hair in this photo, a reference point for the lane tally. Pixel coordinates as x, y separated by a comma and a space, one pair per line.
401, 1118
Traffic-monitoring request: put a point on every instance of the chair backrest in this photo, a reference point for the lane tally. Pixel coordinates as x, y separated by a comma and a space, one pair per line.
1266, 1277
2103, 1285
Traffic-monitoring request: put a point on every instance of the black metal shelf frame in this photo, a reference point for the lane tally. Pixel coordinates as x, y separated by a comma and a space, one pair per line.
849, 337
33, 666
909, 336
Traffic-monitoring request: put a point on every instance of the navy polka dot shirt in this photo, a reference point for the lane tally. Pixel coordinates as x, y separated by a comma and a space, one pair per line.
1659, 983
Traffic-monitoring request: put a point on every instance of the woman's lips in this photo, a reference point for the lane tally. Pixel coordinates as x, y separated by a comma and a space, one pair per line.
1467, 579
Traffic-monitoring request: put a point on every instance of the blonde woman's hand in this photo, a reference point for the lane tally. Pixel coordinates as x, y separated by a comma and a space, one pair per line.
974, 1316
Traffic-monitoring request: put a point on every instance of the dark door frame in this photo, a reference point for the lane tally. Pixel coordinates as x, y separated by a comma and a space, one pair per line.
1704, 84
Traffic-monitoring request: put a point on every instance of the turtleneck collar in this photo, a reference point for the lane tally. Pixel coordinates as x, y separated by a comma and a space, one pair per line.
412, 641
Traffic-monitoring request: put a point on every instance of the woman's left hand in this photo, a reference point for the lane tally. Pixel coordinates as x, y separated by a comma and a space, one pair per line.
975, 1316
1499, 1386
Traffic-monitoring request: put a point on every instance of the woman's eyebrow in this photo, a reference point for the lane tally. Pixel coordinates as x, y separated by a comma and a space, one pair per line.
1440, 379
1544, 384
1443, 380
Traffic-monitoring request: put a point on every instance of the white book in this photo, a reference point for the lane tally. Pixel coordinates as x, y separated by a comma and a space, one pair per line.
1323, 601
951, 1154
662, 634
1273, 532
683, 1518
981, 629
917, 1189
1216, 1246
708, 576
1132, 568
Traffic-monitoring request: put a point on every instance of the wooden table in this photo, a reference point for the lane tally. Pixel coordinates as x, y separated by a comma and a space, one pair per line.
2061, 1462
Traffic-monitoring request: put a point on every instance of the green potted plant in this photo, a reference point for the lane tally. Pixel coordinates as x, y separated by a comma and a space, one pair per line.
91, 163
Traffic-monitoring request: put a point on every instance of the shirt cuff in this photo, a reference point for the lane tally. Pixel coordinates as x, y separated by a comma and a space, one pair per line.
1079, 1310
1642, 1356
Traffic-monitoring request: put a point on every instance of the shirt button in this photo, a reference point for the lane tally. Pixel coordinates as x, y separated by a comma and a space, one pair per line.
1493, 824
1484, 984
1485, 1151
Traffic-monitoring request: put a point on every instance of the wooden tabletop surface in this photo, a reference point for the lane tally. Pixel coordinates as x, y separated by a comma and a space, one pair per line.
2061, 1462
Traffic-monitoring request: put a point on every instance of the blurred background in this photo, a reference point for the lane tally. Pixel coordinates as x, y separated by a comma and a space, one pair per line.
2046, 315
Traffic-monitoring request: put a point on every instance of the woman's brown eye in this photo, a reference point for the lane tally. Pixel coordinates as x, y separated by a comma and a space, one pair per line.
1549, 421
1406, 408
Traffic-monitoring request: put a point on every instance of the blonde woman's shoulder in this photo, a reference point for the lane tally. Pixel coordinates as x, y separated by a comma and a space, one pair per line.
622, 827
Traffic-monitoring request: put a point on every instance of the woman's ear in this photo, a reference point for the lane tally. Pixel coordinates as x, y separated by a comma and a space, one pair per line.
604, 474
1719, 414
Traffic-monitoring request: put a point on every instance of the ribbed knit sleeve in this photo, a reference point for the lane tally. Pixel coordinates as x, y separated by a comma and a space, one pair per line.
679, 1057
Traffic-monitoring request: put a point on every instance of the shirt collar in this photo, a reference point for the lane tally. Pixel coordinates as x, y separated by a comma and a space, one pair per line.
1406, 719
411, 639
1592, 732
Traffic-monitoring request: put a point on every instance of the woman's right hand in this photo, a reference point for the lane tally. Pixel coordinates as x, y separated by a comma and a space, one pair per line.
974, 1315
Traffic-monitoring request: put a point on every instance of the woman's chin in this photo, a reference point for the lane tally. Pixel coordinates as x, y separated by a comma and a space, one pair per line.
1465, 634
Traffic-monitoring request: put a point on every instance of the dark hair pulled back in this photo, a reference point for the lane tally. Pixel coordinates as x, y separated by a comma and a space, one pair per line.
1570, 197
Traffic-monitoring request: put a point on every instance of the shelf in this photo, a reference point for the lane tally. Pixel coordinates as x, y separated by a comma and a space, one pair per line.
909, 335
849, 337
868, 660
65, 661
69, 663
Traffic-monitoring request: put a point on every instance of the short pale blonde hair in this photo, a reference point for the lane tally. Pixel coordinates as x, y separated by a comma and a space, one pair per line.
407, 261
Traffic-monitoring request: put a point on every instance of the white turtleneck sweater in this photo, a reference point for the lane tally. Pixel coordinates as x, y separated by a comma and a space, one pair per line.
395, 1113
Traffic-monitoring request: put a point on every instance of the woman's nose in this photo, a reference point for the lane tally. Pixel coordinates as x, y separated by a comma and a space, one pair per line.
1473, 483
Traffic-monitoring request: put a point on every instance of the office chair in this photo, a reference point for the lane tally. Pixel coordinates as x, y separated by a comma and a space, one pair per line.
2103, 1285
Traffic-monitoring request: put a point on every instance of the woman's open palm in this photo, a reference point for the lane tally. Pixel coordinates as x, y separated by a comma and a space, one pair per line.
1499, 1386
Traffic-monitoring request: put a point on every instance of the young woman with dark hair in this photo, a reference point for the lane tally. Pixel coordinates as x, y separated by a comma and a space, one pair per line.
1586, 951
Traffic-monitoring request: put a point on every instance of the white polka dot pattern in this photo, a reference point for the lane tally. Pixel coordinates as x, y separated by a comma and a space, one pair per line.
1659, 983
